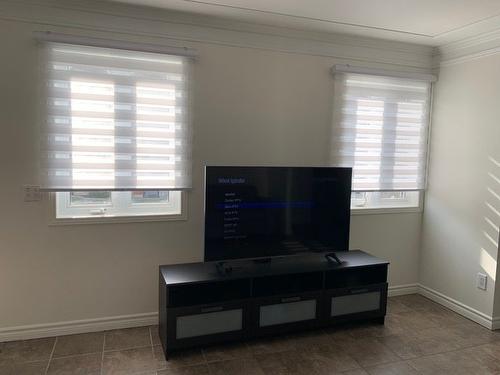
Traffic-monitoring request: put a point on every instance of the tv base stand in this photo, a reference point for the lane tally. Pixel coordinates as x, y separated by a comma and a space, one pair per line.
199, 305
332, 257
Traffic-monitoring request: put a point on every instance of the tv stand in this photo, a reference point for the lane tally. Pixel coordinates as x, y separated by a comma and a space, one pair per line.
262, 260
200, 305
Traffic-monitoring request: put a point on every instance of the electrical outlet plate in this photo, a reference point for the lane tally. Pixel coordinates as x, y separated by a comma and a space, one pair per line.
32, 193
481, 281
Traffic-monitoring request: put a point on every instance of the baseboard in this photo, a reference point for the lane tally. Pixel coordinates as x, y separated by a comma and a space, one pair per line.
139, 320
487, 321
116, 322
496, 323
400, 290
77, 326
459, 307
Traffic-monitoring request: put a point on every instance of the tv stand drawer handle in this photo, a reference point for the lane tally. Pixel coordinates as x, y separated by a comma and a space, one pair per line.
290, 299
212, 309
358, 291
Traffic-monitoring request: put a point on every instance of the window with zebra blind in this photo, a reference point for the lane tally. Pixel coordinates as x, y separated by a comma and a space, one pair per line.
116, 140
380, 129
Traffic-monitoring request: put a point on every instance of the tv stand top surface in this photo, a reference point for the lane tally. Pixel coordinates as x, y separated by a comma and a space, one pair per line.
189, 273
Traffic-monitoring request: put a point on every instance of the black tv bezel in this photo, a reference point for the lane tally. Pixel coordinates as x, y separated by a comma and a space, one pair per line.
206, 259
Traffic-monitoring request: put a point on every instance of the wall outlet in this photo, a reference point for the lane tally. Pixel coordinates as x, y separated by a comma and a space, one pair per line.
32, 193
481, 281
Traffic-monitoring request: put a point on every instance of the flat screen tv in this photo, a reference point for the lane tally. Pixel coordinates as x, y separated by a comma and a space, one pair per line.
261, 212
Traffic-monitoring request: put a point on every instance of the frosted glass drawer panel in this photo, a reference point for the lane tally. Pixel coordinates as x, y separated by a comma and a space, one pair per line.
355, 303
209, 323
287, 312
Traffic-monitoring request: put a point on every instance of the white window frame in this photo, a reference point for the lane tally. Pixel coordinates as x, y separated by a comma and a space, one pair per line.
111, 218
373, 208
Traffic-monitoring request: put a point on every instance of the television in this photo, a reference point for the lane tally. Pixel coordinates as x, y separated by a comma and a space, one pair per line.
263, 212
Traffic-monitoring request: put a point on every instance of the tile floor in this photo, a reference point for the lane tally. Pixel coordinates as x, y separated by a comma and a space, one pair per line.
419, 337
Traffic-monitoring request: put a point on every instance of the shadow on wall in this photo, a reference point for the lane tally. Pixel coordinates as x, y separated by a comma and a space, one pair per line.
491, 233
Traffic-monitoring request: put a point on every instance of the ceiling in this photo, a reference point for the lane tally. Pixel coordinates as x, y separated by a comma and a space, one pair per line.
432, 22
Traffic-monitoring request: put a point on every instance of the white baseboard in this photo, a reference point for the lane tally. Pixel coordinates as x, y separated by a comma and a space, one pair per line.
485, 320
116, 322
77, 326
460, 308
139, 320
399, 290
496, 323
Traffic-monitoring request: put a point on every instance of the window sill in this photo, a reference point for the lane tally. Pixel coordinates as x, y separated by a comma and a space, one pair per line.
385, 210
102, 219
117, 219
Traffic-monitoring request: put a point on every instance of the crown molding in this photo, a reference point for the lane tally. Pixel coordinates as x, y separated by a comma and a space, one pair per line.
99, 18
288, 19
467, 49
135, 22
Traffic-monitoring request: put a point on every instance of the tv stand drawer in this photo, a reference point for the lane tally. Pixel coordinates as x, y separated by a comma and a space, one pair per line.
207, 324
288, 312
284, 312
361, 302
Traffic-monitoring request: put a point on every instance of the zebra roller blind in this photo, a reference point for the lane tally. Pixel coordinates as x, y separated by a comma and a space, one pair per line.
115, 119
380, 127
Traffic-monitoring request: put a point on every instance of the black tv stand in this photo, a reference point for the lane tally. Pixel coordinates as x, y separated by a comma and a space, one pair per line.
200, 305
262, 260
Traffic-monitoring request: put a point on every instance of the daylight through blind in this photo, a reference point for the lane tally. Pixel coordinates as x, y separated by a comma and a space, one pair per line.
115, 119
380, 127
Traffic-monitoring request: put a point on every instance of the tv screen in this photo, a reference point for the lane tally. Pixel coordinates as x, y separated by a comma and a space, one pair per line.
255, 212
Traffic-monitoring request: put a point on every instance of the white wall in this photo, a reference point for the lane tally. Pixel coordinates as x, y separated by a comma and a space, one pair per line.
251, 106
462, 209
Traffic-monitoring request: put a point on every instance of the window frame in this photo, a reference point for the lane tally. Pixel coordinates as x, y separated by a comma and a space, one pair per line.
421, 193
390, 209
54, 220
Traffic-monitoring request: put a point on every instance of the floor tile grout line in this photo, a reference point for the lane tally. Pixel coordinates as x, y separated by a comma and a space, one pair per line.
413, 367
204, 357
151, 342
129, 348
51, 355
491, 339
150, 336
75, 355
152, 347
422, 356
102, 354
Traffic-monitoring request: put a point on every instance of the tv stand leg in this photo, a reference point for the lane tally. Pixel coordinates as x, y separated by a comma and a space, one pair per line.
380, 320
165, 354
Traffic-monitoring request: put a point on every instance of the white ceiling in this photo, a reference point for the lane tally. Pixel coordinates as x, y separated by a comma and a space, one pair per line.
432, 22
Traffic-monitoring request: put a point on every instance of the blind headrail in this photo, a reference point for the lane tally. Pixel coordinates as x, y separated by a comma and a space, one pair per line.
49, 36
346, 68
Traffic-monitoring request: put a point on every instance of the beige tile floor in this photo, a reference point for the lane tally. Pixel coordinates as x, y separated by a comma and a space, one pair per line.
419, 337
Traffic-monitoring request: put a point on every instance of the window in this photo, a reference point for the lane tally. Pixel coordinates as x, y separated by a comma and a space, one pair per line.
385, 199
380, 130
86, 204
116, 140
